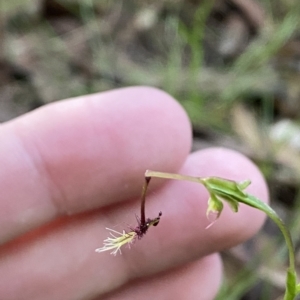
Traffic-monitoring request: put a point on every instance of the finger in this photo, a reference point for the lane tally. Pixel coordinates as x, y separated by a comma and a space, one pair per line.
63, 257
197, 280
86, 152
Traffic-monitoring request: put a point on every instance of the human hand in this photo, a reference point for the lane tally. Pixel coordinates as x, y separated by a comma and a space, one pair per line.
72, 168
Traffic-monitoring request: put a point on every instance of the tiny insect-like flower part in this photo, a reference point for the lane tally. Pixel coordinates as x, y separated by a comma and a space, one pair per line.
116, 242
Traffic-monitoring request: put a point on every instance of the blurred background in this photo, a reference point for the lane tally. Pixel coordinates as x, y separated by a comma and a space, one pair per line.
233, 64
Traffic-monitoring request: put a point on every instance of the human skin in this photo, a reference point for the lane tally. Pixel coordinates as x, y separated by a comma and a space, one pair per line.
74, 167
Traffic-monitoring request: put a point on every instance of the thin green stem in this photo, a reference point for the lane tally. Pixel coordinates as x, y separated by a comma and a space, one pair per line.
273, 215
291, 288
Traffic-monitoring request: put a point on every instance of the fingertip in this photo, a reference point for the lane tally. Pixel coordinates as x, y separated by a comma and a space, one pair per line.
154, 108
212, 275
199, 279
87, 152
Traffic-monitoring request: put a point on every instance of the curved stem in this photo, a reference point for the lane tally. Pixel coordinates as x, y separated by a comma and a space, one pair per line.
291, 282
256, 203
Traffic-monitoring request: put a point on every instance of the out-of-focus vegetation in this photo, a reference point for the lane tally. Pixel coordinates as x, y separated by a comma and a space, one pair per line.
233, 64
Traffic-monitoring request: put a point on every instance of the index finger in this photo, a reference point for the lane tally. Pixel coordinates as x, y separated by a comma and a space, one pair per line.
85, 153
